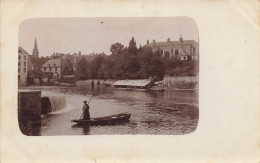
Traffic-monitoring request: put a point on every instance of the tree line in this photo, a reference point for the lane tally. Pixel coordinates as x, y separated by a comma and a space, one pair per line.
133, 63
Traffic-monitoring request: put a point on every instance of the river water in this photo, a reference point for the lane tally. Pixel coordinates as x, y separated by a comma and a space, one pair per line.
157, 113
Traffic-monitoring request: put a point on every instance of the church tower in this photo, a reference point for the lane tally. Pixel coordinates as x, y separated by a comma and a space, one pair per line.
35, 52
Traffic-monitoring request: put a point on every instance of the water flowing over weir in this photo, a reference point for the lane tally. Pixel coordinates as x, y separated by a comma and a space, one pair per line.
57, 103
53, 103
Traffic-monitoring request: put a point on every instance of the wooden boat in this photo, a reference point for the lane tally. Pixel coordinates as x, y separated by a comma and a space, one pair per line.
112, 119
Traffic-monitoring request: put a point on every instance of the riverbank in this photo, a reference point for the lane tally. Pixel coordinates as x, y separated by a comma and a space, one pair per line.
169, 83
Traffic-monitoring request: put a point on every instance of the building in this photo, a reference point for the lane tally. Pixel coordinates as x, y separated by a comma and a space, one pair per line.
35, 52
54, 66
181, 49
135, 84
22, 66
36, 63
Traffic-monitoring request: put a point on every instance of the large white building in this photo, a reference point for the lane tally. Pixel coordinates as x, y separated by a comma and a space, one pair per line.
54, 66
181, 49
22, 66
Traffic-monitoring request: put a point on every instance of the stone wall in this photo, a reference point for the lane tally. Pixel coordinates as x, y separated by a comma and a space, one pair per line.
23, 79
180, 82
88, 82
29, 105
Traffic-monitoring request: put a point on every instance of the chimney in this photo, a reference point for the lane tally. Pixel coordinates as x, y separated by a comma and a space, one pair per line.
168, 40
147, 42
154, 42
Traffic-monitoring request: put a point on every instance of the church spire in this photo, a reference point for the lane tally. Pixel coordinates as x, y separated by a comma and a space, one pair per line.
35, 44
35, 51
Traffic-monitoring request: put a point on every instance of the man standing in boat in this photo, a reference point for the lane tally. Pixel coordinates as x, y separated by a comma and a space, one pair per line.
86, 115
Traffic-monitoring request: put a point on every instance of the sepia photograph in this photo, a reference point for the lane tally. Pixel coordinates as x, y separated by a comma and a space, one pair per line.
93, 76
129, 81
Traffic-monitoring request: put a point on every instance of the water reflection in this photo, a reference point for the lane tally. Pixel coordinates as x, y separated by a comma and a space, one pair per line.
168, 112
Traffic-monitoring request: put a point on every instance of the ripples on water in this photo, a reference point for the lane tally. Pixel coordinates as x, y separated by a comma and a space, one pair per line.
160, 113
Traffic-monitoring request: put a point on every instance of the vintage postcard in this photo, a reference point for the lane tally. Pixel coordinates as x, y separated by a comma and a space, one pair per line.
92, 76
130, 81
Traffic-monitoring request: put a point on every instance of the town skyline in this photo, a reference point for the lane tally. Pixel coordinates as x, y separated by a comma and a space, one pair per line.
96, 35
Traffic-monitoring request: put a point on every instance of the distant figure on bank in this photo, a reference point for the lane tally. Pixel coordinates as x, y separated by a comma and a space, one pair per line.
92, 84
86, 115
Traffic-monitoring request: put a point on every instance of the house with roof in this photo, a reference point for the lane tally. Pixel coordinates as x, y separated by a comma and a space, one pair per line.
136, 84
181, 49
36, 63
53, 66
22, 66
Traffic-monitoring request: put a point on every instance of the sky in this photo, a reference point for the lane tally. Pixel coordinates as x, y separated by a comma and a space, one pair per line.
88, 35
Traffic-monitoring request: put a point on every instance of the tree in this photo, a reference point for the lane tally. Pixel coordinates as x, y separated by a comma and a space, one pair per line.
132, 49
95, 65
116, 49
82, 70
67, 67
157, 66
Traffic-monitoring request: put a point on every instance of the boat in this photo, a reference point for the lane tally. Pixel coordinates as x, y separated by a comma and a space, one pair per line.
112, 119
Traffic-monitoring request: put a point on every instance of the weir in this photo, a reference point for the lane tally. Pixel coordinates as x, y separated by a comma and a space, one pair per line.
52, 104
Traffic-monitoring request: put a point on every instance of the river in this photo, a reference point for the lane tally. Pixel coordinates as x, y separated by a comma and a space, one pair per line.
153, 113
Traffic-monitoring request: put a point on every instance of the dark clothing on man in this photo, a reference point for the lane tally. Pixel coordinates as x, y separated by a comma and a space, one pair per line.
86, 115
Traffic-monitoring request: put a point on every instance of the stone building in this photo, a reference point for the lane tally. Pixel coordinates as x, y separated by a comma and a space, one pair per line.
54, 66
22, 66
181, 49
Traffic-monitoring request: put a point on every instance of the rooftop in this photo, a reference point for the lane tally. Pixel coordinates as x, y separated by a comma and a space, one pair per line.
21, 50
38, 62
138, 83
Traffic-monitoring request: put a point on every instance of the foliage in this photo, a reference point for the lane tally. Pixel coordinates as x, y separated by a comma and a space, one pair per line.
68, 68
82, 72
133, 63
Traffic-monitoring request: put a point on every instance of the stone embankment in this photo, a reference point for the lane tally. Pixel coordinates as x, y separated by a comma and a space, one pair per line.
180, 82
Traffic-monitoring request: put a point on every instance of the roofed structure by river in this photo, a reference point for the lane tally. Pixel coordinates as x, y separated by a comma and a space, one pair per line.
139, 84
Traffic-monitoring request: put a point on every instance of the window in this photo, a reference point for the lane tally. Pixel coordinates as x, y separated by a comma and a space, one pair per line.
19, 51
44, 68
193, 50
24, 70
19, 64
171, 51
24, 63
19, 57
176, 51
24, 57
19, 69
18, 77
161, 51
55, 68
50, 68
54, 64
